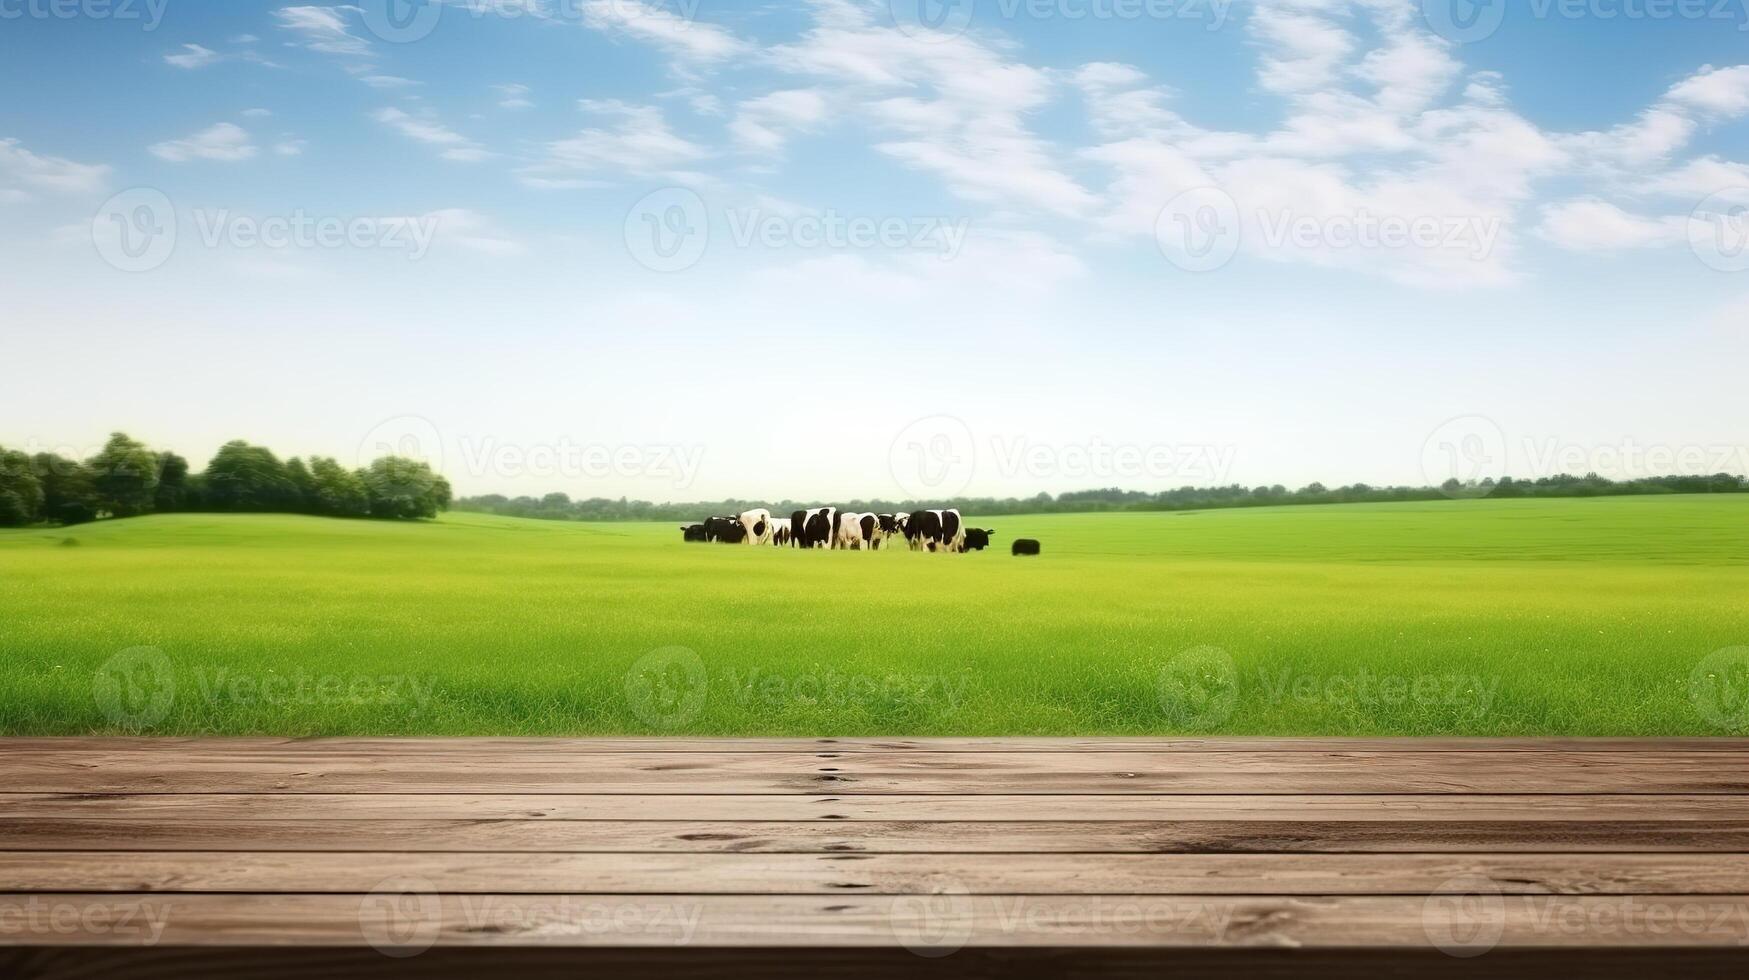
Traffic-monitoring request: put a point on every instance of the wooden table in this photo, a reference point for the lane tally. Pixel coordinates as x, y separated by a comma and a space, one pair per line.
857, 857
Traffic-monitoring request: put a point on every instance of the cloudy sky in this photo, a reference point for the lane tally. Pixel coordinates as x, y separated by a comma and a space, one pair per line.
847, 249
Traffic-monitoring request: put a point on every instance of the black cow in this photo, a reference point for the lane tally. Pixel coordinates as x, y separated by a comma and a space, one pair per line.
726, 530
887, 527
1024, 546
934, 530
978, 538
816, 528
694, 532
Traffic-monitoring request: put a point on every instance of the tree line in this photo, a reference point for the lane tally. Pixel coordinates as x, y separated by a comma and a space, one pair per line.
560, 507
127, 479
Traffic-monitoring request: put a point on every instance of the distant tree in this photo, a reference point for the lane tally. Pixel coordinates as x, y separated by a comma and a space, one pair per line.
172, 493
21, 491
303, 499
338, 491
405, 489
124, 476
69, 494
242, 477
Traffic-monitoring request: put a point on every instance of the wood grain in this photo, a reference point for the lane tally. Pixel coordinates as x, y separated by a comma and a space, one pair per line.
1535, 808
1297, 772
892, 874
406, 918
644, 851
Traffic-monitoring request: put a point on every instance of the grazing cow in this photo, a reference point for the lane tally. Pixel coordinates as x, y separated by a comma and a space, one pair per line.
857, 531
935, 530
815, 528
1024, 546
886, 528
757, 524
977, 538
726, 530
694, 532
780, 531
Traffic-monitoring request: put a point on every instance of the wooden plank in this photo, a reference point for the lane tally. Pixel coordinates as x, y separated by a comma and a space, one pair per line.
408, 921
891, 874
862, 963
984, 837
895, 772
253, 746
1063, 807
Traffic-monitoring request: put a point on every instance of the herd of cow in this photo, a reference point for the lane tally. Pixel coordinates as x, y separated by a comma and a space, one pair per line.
829, 527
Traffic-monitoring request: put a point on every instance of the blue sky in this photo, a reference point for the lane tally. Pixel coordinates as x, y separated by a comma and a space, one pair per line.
833, 250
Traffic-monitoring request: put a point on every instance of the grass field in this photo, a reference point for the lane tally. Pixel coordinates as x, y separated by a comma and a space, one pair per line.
1588, 617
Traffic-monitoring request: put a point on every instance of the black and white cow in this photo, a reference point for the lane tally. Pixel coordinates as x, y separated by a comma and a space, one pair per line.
886, 528
725, 530
978, 538
780, 532
814, 528
935, 530
757, 524
694, 532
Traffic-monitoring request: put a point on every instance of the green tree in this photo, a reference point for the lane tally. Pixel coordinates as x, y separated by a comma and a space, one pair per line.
339, 492
21, 491
303, 486
125, 476
69, 494
242, 477
405, 488
172, 493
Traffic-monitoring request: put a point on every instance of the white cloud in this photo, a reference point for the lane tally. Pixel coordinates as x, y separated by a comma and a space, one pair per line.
387, 81
1722, 91
513, 96
19, 166
323, 29
427, 129
1698, 179
1592, 225
952, 107
289, 147
257, 113
681, 37
224, 142
764, 124
641, 144
473, 231
192, 56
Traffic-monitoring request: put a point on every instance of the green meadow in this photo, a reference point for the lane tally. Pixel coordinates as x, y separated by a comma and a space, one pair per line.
1616, 616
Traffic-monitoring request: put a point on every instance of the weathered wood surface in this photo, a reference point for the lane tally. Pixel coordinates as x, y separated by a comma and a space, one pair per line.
1123, 856
888, 771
